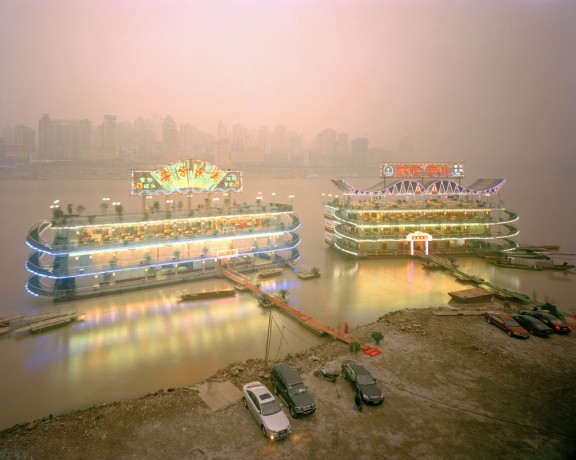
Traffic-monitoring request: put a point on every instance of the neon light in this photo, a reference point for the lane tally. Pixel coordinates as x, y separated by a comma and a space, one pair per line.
408, 170
184, 177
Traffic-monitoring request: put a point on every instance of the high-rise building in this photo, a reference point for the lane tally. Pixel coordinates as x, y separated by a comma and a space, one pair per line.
170, 139
144, 142
222, 146
108, 138
342, 149
25, 136
63, 139
45, 137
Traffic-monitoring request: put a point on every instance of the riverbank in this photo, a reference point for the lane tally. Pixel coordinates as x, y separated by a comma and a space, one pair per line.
455, 387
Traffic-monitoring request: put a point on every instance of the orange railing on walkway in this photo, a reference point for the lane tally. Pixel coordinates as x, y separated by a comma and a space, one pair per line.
304, 319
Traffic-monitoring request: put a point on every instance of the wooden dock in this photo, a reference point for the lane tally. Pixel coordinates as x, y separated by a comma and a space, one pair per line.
42, 323
497, 291
305, 320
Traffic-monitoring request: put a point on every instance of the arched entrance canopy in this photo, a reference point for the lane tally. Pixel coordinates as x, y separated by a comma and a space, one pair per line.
413, 187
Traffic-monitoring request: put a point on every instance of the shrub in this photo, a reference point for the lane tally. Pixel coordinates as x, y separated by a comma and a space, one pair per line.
377, 336
354, 347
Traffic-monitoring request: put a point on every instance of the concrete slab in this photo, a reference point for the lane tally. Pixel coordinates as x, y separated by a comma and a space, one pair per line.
218, 395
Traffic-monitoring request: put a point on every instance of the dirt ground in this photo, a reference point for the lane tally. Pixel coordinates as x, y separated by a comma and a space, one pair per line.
455, 388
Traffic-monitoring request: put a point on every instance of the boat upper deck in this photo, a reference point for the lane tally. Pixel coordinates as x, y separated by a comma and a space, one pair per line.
129, 232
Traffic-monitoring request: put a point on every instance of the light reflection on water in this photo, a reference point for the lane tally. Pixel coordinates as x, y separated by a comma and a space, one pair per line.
136, 343
132, 344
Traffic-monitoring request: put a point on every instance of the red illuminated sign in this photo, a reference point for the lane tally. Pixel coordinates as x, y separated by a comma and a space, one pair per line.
421, 170
418, 236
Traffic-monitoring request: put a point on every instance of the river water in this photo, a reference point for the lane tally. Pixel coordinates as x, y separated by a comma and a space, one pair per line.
135, 343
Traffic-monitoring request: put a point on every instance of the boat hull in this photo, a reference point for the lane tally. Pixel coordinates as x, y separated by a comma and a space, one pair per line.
207, 295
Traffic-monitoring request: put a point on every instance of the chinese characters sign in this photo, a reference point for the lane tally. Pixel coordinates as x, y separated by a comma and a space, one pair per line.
186, 176
421, 170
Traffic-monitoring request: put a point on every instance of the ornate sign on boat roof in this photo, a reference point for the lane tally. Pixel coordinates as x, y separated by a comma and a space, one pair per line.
185, 176
408, 170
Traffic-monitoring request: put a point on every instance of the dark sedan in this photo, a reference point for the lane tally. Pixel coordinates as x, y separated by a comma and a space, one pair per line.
362, 382
557, 325
506, 323
533, 325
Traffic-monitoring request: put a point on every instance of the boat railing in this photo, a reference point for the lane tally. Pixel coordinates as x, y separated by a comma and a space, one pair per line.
33, 264
150, 241
389, 222
144, 217
406, 252
437, 235
34, 239
41, 287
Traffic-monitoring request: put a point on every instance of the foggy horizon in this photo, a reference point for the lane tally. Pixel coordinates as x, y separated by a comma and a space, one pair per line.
491, 78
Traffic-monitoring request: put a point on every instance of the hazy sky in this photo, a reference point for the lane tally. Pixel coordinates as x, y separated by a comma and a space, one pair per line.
494, 77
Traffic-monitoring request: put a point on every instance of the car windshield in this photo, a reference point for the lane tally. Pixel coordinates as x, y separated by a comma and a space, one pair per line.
296, 389
270, 407
364, 379
511, 323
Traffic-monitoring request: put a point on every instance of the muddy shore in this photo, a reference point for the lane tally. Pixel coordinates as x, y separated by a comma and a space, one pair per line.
455, 387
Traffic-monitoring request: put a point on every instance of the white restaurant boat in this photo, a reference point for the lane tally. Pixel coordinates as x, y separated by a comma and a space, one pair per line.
77, 256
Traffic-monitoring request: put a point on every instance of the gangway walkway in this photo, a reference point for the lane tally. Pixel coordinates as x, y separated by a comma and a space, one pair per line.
306, 320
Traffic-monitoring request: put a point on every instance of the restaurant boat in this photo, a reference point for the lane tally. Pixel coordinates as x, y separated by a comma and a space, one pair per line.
75, 256
419, 208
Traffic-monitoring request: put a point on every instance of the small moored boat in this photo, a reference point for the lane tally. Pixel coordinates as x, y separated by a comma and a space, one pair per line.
208, 295
265, 302
308, 274
270, 272
471, 295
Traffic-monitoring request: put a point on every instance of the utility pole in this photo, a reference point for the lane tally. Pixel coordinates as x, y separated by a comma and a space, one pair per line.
268, 338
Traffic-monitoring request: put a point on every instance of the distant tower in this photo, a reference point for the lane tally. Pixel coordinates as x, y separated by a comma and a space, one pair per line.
170, 139
222, 151
24, 135
44, 137
108, 137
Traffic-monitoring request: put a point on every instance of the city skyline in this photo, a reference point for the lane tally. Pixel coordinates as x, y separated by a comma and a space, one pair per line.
163, 140
492, 79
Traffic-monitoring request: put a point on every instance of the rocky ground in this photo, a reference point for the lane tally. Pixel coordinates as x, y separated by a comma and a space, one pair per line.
455, 386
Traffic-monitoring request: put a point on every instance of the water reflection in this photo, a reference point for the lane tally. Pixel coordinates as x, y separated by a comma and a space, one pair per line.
132, 344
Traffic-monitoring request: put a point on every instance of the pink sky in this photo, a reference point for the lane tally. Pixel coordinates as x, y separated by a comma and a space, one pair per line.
459, 75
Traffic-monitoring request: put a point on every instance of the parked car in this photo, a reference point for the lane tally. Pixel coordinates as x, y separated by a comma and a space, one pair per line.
267, 411
287, 384
557, 325
506, 323
362, 382
533, 325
